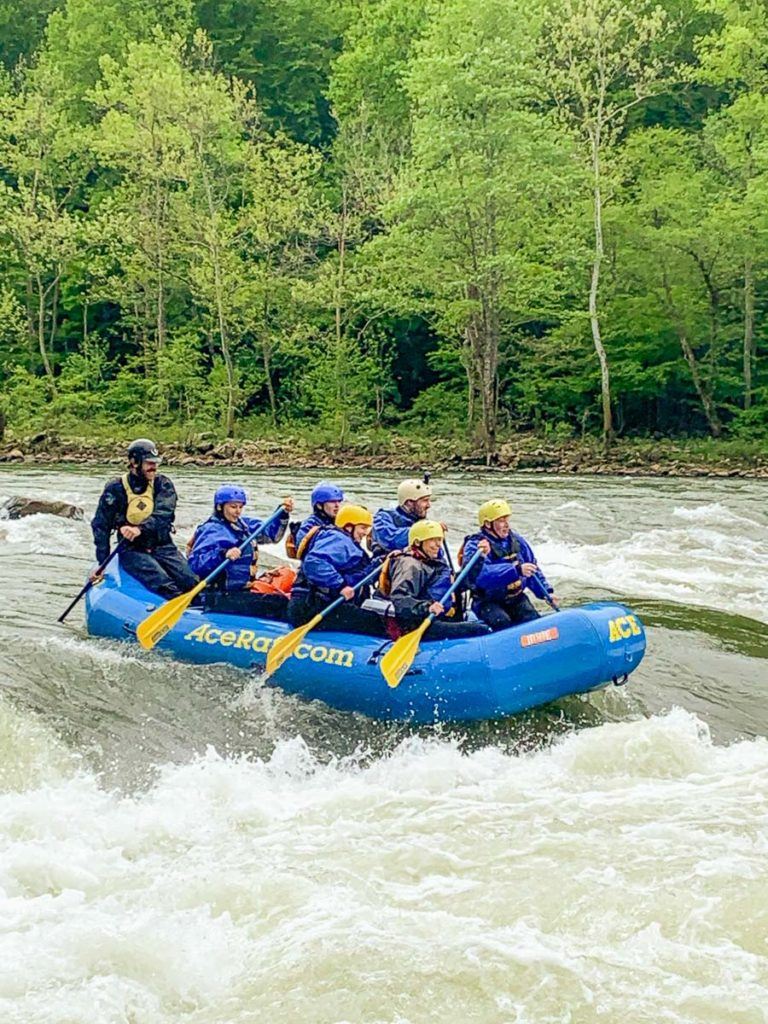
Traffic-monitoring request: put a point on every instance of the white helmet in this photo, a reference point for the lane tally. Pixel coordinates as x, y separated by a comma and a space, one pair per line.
412, 490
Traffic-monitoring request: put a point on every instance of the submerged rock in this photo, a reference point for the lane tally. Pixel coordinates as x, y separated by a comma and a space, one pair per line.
17, 507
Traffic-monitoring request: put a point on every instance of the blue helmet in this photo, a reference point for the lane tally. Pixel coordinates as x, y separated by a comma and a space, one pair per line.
326, 492
229, 492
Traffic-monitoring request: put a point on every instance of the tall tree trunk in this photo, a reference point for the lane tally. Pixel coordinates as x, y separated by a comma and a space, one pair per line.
705, 396
54, 314
713, 293
471, 389
86, 352
482, 332
31, 304
339, 368
41, 294
160, 318
266, 353
229, 420
218, 286
749, 329
605, 376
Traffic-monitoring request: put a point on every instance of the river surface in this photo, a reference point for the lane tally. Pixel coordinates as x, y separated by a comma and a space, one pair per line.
179, 845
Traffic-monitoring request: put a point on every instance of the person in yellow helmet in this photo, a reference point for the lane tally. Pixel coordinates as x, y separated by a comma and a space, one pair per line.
499, 591
333, 561
416, 580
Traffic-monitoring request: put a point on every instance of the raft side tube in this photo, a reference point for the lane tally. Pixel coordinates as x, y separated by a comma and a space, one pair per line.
573, 651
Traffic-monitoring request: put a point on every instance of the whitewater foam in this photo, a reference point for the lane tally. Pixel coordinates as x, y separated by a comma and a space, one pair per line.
619, 874
699, 559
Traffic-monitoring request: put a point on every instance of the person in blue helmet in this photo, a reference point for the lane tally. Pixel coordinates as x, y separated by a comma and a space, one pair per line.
391, 525
499, 592
326, 501
333, 561
221, 537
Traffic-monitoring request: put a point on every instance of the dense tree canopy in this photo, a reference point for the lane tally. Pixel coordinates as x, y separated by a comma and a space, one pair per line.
455, 217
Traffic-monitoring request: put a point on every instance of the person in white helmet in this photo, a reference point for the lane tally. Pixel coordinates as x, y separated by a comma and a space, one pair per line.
391, 525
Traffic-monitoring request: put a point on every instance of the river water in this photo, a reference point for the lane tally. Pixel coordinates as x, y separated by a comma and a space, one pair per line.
178, 844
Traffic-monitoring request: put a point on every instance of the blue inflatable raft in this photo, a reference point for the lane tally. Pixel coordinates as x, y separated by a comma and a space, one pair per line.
573, 651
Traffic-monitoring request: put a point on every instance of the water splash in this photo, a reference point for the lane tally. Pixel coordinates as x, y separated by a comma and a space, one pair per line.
429, 885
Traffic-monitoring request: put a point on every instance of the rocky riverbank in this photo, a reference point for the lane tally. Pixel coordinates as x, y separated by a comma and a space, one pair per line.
525, 453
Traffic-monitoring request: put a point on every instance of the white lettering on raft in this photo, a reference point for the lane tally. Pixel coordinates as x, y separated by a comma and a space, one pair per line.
248, 640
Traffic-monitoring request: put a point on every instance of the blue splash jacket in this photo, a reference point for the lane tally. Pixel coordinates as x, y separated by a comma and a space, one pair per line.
216, 536
500, 578
333, 561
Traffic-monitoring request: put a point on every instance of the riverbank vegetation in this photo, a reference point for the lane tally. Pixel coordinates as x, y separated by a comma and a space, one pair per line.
396, 216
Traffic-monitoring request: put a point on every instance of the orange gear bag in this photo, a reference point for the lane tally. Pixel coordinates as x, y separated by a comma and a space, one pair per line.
276, 581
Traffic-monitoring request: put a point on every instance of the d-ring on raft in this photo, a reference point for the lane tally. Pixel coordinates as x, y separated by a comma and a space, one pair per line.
576, 651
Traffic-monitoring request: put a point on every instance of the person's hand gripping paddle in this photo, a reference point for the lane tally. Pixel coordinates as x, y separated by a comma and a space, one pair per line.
164, 618
399, 657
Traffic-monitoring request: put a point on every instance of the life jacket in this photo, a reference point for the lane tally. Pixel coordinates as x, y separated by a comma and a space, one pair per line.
140, 506
191, 543
306, 542
398, 518
291, 544
276, 581
496, 549
514, 589
220, 582
384, 584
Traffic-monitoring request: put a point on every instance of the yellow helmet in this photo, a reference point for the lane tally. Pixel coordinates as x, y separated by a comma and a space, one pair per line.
496, 508
425, 529
353, 515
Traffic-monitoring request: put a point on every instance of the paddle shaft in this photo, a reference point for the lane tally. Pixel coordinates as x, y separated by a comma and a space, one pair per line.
457, 582
117, 548
284, 646
342, 600
243, 545
547, 595
153, 628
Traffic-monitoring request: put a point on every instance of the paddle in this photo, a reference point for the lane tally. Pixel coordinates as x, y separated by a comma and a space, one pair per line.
164, 618
285, 646
446, 550
118, 547
398, 658
547, 596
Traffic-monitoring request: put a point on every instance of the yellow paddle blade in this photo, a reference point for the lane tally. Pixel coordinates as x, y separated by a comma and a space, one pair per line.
398, 658
284, 647
158, 622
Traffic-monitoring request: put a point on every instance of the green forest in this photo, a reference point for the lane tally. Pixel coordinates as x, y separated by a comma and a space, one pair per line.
450, 218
